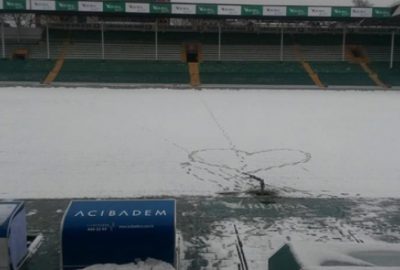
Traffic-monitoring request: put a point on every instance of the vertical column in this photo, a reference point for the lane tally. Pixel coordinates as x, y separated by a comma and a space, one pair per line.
392, 50
344, 45
219, 41
47, 41
102, 41
156, 39
3, 42
282, 40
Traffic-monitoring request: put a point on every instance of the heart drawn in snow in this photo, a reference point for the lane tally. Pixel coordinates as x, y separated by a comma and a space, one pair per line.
232, 164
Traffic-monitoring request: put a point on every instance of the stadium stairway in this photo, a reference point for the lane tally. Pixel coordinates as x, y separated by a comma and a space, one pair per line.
58, 66
358, 54
390, 76
313, 75
307, 67
373, 75
194, 72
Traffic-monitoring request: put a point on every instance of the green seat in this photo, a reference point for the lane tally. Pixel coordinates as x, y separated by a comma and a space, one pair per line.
30, 70
119, 71
254, 73
341, 74
389, 76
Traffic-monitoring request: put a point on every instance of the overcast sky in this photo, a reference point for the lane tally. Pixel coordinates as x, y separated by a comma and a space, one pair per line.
380, 3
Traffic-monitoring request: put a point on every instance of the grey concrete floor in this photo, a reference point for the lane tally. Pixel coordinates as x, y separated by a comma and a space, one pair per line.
200, 220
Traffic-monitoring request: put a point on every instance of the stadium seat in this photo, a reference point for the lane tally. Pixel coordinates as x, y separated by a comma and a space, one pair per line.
119, 71
254, 73
389, 76
341, 73
24, 70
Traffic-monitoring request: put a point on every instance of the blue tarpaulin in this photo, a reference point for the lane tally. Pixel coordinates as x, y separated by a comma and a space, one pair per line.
119, 232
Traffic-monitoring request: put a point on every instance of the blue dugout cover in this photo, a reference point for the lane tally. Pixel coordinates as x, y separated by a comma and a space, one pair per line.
13, 235
117, 231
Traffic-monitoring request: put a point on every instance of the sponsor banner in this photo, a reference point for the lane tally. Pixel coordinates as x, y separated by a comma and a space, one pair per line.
382, 13
114, 6
15, 4
160, 8
90, 6
297, 11
43, 5
118, 231
341, 12
66, 5
204, 9
361, 12
319, 11
274, 11
252, 10
137, 8
120, 6
229, 10
183, 9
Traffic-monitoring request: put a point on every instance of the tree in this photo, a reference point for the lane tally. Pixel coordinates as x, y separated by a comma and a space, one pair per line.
362, 3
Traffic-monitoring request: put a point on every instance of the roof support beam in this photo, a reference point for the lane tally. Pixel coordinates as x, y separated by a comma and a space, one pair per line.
282, 40
102, 42
344, 45
3, 42
156, 38
47, 42
219, 41
392, 50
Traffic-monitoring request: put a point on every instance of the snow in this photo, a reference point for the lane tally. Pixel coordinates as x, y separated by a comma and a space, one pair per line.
64, 142
315, 240
149, 264
32, 213
340, 254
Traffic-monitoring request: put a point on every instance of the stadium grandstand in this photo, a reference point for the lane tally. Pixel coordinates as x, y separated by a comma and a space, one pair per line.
132, 43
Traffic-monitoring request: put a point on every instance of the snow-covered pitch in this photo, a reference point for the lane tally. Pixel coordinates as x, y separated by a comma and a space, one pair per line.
59, 142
